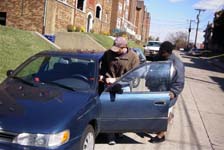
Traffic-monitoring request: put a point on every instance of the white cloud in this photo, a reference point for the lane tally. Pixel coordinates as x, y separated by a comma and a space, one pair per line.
175, 1
209, 4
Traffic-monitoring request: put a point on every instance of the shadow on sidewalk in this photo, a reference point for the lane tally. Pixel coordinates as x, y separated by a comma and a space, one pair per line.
201, 64
102, 139
219, 81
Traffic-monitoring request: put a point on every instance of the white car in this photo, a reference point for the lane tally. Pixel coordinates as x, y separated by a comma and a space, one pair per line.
152, 48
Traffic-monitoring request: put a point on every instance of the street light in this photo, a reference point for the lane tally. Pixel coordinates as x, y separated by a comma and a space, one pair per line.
198, 21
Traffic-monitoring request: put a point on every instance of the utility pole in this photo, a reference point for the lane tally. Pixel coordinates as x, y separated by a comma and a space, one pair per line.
189, 30
198, 21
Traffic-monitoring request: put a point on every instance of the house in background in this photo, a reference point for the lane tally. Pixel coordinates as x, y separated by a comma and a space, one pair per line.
44, 16
142, 22
93, 15
100, 16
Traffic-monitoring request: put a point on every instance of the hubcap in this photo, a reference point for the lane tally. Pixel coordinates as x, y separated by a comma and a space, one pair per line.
89, 142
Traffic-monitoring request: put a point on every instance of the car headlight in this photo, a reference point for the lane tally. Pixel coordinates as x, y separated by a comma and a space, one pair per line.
43, 140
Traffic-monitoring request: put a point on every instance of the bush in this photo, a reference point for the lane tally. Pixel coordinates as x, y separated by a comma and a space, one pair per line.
105, 33
92, 31
82, 29
71, 28
78, 29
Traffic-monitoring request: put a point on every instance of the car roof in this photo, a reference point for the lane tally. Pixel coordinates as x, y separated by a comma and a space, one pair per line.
96, 55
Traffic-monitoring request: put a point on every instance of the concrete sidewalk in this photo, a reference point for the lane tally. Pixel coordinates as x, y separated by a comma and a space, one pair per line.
77, 41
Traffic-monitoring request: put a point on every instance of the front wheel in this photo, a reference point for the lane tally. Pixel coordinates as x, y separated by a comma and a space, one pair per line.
88, 139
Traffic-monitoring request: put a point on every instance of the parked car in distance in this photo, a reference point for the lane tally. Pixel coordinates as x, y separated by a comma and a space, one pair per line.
194, 52
51, 102
140, 54
151, 48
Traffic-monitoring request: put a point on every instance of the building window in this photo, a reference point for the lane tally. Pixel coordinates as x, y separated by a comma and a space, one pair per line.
3, 18
98, 11
120, 8
126, 14
106, 17
81, 5
127, 2
118, 23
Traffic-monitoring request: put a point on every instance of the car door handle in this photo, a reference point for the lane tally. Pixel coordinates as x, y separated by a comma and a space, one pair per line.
160, 103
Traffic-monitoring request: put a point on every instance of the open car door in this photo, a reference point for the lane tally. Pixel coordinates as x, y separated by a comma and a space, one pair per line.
138, 101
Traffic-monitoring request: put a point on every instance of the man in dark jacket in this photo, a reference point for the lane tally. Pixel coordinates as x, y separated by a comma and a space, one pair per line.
177, 83
115, 62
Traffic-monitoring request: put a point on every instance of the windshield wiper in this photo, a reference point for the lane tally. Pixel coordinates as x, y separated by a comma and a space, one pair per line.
22, 80
60, 85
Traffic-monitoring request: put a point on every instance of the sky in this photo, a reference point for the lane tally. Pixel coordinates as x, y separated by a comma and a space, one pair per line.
170, 16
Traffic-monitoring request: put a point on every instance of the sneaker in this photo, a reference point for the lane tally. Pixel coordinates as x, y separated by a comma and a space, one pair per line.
157, 139
111, 139
112, 142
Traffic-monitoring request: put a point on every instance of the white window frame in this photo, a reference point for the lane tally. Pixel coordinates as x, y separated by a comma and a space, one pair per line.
98, 5
63, 1
84, 6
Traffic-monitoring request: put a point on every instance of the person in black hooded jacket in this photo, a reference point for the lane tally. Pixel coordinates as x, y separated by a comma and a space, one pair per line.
177, 83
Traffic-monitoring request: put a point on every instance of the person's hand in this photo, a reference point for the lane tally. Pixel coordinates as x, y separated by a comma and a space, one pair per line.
101, 78
172, 95
110, 80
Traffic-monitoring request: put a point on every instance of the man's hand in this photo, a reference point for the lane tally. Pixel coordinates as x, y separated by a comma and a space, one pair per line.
110, 80
101, 78
172, 95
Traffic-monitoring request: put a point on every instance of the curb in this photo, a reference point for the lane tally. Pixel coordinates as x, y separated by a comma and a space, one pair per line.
217, 64
95, 42
41, 36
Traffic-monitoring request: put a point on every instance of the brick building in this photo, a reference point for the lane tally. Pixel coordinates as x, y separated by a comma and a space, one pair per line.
142, 21
93, 15
51, 16
44, 16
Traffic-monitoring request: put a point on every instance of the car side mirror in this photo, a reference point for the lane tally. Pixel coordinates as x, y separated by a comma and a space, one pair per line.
9, 73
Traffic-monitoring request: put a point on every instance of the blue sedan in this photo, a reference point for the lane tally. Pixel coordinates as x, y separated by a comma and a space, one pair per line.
51, 102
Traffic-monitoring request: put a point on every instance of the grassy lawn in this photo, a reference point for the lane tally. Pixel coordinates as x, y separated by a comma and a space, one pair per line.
133, 44
104, 40
16, 46
107, 42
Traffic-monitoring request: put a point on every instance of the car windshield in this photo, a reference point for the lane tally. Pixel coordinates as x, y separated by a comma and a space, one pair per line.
156, 44
65, 72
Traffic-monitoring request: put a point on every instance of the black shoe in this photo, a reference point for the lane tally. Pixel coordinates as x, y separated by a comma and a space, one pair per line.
157, 139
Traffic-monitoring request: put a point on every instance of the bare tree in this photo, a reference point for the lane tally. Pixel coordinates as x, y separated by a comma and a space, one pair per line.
152, 38
178, 38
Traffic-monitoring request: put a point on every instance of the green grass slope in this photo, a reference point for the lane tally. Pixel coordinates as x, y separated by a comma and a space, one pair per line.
16, 46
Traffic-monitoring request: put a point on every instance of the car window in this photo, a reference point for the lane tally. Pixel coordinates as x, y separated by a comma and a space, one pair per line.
154, 77
156, 44
31, 68
68, 71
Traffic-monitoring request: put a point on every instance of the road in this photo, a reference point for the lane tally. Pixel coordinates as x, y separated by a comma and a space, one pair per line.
199, 114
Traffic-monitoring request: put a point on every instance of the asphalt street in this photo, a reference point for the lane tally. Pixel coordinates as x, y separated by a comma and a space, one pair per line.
198, 115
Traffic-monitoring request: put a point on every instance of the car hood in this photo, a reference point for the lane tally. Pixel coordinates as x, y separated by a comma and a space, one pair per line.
155, 48
41, 109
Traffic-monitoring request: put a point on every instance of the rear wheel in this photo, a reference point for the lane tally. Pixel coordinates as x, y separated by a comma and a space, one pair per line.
88, 139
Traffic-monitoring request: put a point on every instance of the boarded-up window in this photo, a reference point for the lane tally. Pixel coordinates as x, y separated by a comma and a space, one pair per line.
3, 18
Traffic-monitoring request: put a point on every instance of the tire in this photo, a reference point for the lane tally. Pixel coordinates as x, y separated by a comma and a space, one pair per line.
88, 139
